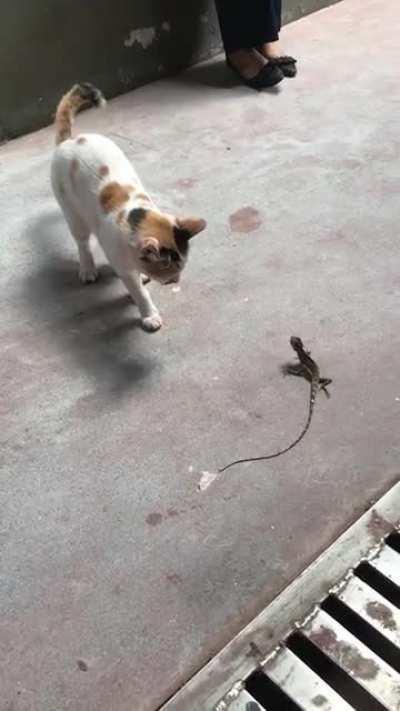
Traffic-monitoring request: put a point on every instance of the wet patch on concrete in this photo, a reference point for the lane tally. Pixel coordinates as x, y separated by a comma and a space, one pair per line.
245, 220
174, 578
172, 512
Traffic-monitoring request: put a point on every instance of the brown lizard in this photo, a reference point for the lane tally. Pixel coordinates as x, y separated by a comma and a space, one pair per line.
306, 368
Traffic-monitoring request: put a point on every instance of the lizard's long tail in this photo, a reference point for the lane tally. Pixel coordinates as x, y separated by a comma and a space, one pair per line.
282, 451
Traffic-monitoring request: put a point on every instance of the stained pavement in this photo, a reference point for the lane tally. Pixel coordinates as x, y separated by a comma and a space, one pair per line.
118, 579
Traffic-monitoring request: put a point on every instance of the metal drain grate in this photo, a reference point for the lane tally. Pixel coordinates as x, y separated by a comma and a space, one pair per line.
343, 656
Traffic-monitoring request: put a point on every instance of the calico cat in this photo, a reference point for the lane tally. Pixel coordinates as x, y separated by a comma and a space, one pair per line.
100, 193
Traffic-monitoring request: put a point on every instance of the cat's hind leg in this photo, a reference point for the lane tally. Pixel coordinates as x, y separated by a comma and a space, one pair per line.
87, 268
81, 234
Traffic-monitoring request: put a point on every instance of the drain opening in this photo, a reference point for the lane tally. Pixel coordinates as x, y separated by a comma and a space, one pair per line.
345, 656
266, 692
350, 645
394, 541
363, 631
332, 674
378, 582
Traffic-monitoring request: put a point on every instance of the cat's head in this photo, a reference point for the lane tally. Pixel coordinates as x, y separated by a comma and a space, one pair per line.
163, 242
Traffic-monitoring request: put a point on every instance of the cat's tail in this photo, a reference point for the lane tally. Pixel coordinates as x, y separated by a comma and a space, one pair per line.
81, 96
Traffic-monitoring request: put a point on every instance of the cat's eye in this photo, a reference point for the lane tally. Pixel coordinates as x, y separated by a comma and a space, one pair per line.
168, 257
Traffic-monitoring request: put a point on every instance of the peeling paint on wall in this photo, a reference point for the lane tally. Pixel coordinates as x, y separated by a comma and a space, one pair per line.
144, 36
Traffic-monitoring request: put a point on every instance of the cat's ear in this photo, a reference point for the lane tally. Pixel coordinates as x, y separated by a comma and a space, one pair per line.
149, 250
191, 225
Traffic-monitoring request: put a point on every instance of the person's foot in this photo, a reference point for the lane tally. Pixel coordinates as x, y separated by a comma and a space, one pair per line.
253, 69
272, 52
247, 62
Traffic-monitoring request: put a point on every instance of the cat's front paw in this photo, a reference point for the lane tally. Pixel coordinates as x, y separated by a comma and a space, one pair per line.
88, 275
152, 323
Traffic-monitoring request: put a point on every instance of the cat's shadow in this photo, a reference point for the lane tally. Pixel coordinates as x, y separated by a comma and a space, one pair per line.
97, 324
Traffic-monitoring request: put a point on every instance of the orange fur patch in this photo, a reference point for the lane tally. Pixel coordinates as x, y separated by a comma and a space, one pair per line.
68, 106
155, 225
63, 125
104, 170
114, 195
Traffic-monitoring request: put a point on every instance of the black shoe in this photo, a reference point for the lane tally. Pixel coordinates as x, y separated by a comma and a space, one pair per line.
287, 65
268, 76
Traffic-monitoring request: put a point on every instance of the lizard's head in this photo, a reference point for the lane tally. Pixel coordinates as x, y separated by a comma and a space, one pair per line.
296, 343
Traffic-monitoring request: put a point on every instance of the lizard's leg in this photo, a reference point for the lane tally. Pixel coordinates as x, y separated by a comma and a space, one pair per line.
295, 369
323, 384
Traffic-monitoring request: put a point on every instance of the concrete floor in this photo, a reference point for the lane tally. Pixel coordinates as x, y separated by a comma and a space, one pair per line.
118, 579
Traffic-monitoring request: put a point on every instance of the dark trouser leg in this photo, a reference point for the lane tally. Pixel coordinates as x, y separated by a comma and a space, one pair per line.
248, 23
